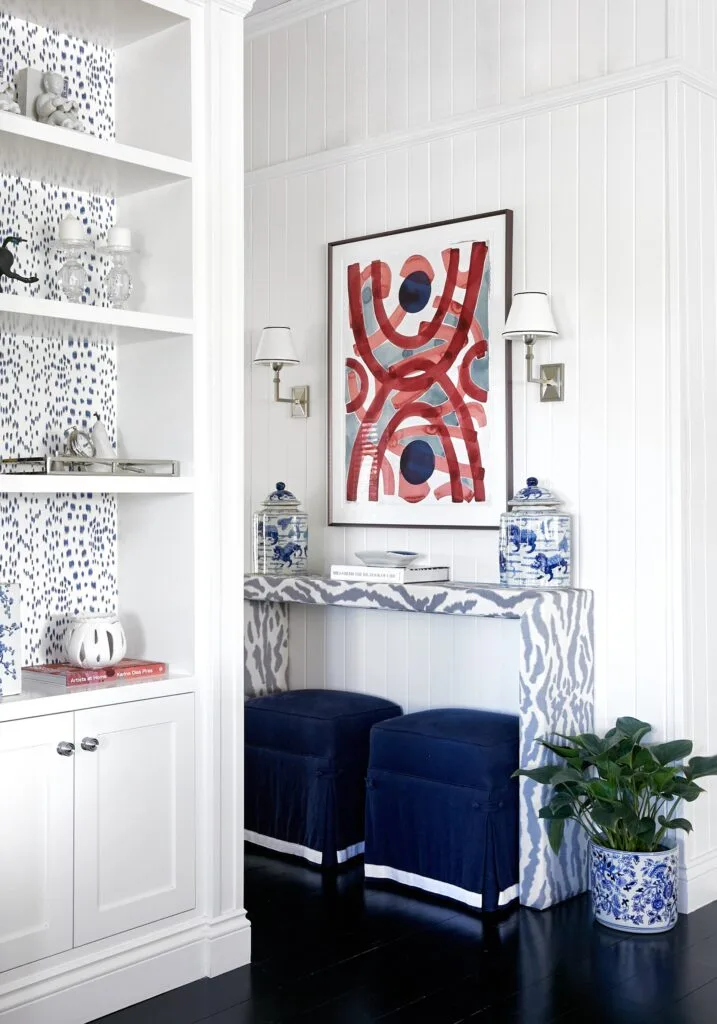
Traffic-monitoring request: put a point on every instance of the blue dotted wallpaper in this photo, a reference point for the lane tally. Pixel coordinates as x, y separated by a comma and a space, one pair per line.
61, 549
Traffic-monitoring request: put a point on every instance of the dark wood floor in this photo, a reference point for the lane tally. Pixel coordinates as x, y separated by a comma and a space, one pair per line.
326, 951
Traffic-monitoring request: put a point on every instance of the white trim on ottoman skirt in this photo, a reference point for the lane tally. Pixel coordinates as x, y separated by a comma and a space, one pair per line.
315, 856
432, 885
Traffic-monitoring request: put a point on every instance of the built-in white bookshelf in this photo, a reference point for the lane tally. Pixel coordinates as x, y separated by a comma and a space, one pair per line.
126, 862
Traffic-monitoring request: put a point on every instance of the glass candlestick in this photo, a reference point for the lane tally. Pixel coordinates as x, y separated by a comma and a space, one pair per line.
72, 276
118, 283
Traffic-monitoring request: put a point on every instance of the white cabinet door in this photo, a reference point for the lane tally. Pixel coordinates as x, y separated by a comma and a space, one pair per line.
35, 839
134, 815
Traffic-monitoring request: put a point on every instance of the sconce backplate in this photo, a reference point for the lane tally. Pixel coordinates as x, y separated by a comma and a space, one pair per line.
300, 402
552, 382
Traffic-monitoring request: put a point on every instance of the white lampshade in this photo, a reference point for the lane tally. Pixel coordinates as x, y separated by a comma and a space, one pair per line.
530, 314
276, 346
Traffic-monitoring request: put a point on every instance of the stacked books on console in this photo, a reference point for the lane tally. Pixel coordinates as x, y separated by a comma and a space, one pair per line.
390, 567
62, 674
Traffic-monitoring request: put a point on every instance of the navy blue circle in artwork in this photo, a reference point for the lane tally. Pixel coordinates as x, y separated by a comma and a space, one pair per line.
417, 462
414, 293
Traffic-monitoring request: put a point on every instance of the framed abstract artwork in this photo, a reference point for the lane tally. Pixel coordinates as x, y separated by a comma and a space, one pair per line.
419, 378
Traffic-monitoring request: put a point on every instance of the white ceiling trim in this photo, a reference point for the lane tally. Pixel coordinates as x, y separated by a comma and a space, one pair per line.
287, 14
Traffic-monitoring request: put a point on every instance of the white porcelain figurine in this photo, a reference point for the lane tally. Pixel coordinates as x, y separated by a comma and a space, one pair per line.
7, 99
52, 107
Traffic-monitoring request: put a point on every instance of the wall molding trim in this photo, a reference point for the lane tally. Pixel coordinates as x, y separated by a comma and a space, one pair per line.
108, 980
698, 882
288, 14
655, 73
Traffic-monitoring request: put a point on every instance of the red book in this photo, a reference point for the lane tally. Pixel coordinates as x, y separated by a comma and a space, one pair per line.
64, 674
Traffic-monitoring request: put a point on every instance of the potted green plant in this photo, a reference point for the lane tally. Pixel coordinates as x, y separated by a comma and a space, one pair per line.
626, 795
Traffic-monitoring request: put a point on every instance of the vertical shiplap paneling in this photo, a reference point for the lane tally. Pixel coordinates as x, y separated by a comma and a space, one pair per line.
692, 16
260, 102
465, 29
316, 83
278, 96
708, 318
356, 72
699, 524
620, 667
709, 321
297, 113
487, 52
377, 70
650, 31
592, 38
651, 391
419, 63
258, 426
248, 107
537, 46
512, 197
441, 185
564, 43
538, 240
294, 432
464, 175
512, 44
441, 43
620, 34
397, 65
564, 225
336, 45
593, 394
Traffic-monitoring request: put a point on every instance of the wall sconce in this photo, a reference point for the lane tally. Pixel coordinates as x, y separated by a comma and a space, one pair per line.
530, 317
276, 349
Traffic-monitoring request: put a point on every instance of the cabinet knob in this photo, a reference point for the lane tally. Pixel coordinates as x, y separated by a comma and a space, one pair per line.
65, 749
90, 743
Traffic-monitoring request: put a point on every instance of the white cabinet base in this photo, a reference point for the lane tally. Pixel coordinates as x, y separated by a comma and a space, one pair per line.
134, 815
36, 817
102, 982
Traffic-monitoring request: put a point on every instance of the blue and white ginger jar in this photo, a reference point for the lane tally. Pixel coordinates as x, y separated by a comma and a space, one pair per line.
634, 892
281, 535
535, 540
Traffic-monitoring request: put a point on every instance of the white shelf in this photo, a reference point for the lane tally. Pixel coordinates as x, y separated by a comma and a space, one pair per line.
79, 161
113, 23
20, 314
80, 483
39, 699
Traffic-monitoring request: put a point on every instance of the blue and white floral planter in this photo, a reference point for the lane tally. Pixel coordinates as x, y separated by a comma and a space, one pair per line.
10, 640
634, 892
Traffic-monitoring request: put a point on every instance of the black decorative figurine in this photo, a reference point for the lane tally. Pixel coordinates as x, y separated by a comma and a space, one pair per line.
7, 259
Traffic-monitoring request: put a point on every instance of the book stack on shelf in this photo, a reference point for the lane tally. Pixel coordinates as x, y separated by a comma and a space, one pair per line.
391, 573
63, 674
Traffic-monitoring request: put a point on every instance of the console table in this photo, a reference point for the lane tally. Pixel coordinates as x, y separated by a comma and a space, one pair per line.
556, 680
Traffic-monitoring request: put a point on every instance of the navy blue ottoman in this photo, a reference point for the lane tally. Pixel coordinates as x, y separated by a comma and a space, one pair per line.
306, 753
441, 808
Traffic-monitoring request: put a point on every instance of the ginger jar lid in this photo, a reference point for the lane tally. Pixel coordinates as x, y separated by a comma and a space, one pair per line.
533, 496
281, 498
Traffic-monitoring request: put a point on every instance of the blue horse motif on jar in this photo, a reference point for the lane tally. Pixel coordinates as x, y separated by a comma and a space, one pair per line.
523, 536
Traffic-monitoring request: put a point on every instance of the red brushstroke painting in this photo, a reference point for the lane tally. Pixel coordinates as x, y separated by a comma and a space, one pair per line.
417, 380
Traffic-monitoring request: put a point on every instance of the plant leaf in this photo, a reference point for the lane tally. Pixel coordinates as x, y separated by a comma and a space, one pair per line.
698, 767
633, 728
556, 829
544, 775
682, 823
551, 813
676, 750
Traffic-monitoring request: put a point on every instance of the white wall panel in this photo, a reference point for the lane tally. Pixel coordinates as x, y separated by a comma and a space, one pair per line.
587, 187
369, 67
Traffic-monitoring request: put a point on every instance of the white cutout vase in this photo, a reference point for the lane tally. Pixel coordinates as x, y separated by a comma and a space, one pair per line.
95, 642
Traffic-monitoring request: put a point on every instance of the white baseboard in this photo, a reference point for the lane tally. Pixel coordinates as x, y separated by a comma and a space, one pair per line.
698, 883
80, 992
